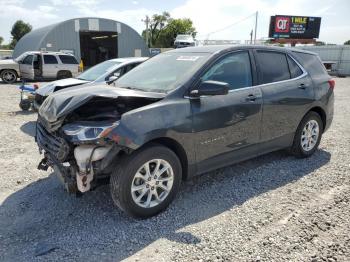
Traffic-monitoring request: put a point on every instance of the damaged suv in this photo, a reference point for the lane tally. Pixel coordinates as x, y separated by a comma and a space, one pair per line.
183, 113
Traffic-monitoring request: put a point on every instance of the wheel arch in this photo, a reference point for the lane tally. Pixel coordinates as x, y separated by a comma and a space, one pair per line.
177, 148
321, 113
64, 71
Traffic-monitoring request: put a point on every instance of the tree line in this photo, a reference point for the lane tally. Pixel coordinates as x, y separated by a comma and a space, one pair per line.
162, 31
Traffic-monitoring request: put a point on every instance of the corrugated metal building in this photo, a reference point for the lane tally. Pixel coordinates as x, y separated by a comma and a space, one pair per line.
91, 39
337, 54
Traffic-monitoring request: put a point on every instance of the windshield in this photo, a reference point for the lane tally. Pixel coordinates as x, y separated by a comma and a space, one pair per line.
20, 58
164, 72
96, 71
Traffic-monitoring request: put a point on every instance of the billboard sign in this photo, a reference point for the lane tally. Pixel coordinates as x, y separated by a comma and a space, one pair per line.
294, 27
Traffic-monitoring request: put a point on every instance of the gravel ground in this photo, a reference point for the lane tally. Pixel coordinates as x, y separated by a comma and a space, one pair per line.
273, 207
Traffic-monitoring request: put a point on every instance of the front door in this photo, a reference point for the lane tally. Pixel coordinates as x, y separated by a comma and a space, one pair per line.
26, 68
227, 127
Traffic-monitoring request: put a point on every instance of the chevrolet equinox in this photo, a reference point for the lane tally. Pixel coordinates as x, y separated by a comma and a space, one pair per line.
183, 113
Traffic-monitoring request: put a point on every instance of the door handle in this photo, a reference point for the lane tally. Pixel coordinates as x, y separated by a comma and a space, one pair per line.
303, 86
251, 98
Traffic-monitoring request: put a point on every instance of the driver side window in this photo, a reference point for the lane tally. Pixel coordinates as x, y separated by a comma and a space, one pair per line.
28, 60
234, 69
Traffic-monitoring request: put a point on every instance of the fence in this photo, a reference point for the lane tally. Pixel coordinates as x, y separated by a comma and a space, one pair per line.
339, 55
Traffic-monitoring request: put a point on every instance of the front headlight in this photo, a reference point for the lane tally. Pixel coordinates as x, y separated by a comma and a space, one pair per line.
84, 132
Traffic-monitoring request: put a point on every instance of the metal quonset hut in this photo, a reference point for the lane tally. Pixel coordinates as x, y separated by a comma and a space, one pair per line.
91, 39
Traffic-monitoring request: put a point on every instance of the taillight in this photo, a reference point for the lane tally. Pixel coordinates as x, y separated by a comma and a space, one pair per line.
331, 84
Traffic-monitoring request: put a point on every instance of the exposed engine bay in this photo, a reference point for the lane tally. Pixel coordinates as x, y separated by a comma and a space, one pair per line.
72, 133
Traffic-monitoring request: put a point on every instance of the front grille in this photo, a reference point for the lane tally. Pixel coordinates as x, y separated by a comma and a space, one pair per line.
50, 126
53, 144
39, 99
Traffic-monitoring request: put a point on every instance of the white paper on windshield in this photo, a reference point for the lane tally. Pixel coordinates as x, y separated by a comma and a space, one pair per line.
187, 58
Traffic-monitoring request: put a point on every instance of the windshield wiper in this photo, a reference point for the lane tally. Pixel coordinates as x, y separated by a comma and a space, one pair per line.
131, 88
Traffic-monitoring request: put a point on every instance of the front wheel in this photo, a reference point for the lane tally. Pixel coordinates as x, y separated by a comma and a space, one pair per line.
9, 76
146, 182
308, 135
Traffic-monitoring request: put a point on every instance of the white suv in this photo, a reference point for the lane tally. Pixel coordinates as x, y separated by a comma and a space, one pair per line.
36, 65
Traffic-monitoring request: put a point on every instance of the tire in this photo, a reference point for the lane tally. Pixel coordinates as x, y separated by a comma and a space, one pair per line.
298, 149
9, 76
25, 105
63, 75
125, 177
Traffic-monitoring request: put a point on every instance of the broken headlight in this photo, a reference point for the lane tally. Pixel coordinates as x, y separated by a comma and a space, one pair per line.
87, 132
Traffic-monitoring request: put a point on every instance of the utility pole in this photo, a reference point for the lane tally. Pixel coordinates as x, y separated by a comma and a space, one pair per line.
256, 26
146, 21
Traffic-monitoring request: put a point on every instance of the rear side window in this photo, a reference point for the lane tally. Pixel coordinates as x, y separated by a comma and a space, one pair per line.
68, 59
295, 70
50, 59
311, 63
233, 69
273, 66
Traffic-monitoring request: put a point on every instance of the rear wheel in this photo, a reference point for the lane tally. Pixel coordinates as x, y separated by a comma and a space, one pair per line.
9, 76
308, 135
146, 182
63, 75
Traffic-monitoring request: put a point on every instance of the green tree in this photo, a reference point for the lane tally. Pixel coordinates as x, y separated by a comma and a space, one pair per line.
163, 29
19, 29
347, 42
175, 27
1, 40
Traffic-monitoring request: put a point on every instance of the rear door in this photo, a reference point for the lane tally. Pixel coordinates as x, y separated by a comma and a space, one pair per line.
50, 66
287, 94
227, 127
26, 67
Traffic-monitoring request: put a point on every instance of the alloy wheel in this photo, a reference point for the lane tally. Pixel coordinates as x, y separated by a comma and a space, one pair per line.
152, 183
309, 135
8, 76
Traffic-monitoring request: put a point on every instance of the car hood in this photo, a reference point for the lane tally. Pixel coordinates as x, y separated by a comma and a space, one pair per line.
8, 62
60, 84
60, 104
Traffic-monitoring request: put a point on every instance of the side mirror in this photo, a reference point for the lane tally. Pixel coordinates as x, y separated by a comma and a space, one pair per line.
211, 88
111, 79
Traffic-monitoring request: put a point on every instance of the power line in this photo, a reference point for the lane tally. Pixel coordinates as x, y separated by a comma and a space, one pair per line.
235, 23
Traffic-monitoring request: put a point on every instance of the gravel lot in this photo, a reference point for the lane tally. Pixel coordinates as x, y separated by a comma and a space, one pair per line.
273, 207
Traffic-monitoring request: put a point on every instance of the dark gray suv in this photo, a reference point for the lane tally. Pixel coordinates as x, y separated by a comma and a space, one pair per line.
183, 113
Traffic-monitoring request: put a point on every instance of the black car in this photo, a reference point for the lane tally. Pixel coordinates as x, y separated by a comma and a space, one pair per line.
183, 113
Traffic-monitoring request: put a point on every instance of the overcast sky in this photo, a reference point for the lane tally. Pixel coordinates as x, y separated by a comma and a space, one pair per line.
208, 16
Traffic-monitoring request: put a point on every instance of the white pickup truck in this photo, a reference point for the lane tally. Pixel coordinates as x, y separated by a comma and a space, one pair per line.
36, 65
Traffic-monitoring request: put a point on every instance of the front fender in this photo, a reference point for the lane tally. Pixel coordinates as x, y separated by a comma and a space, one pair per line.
169, 118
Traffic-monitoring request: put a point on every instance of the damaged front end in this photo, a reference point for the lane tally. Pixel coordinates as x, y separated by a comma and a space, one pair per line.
74, 134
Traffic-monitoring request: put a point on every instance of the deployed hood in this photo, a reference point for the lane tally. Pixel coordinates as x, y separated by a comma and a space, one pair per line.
62, 103
59, 84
